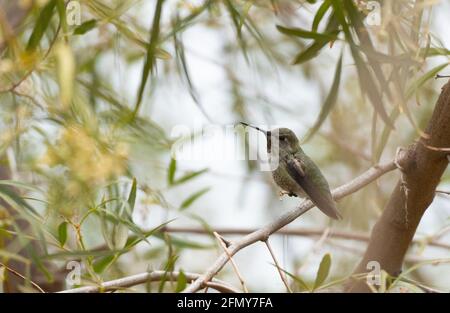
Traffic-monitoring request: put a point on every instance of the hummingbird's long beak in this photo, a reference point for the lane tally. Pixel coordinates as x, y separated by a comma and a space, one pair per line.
257, 128
265, 132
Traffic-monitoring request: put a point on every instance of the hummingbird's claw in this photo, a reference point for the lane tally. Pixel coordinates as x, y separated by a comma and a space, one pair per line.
284, 192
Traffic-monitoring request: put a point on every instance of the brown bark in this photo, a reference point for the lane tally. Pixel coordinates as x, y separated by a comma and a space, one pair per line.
422, 167
11, 16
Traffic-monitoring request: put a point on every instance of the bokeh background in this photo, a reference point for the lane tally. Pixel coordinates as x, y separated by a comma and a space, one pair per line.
74, 133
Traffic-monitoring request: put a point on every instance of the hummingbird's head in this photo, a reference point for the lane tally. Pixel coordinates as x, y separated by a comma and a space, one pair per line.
287, 140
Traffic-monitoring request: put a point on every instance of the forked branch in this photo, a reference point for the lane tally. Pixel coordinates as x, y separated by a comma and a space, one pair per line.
263, 233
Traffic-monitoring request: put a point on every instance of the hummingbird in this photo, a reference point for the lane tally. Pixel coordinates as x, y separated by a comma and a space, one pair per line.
297, 175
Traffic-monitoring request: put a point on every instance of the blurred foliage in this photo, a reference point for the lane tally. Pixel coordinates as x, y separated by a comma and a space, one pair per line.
70, 140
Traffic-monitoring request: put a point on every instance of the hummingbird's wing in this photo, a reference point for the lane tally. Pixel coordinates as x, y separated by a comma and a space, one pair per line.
323, 201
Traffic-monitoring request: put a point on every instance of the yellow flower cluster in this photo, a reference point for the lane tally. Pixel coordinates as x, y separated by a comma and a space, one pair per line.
91, 161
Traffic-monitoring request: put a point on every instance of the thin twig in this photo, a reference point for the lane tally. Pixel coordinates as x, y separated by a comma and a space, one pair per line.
283, 277
304, 232
441, 149
13, 86
421, 286
23, 277
142, 278
263, 233
357, 251
238, 274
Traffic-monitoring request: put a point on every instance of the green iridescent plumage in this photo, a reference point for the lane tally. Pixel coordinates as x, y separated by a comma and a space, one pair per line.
296, 174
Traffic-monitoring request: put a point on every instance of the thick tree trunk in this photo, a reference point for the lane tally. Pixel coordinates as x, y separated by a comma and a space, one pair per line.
422, 167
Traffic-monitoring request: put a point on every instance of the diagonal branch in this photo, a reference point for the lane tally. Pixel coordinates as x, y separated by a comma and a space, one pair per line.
263, 233
432, 240
142, 278
235, 268
280, 270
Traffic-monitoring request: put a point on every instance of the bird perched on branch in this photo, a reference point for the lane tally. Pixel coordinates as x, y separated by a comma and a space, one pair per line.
296, 174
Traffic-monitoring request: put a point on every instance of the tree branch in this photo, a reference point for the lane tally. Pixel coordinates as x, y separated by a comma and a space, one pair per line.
280, 271
305, 232
142, 278
235, 268
263, 233
422, 169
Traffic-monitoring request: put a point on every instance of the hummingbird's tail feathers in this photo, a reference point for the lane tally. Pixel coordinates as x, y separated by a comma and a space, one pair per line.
323, 200
329, 208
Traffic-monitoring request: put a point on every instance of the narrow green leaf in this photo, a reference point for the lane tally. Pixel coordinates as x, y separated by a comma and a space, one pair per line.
319, 14
41, 25
369, 87
300, 282
329, 101
119, 236
62, 233
432, 52
19, 184
299, 32
170, 265
413, 88
191, 199
150, 58
62, 15
309, 53
134, 240
323, 271
245, 12
184, 69
423, 79
401, 59
366, 79
190, 176
181, 282
314, 49
171, 171
132, 195
115, 228
36, 259
103, 263
79, 254
238, 22
66, 69
184, 243
339, 13
357, 22
9, 195
85, 27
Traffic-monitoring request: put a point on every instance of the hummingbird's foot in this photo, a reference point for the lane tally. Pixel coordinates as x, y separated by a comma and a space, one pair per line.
284, 192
